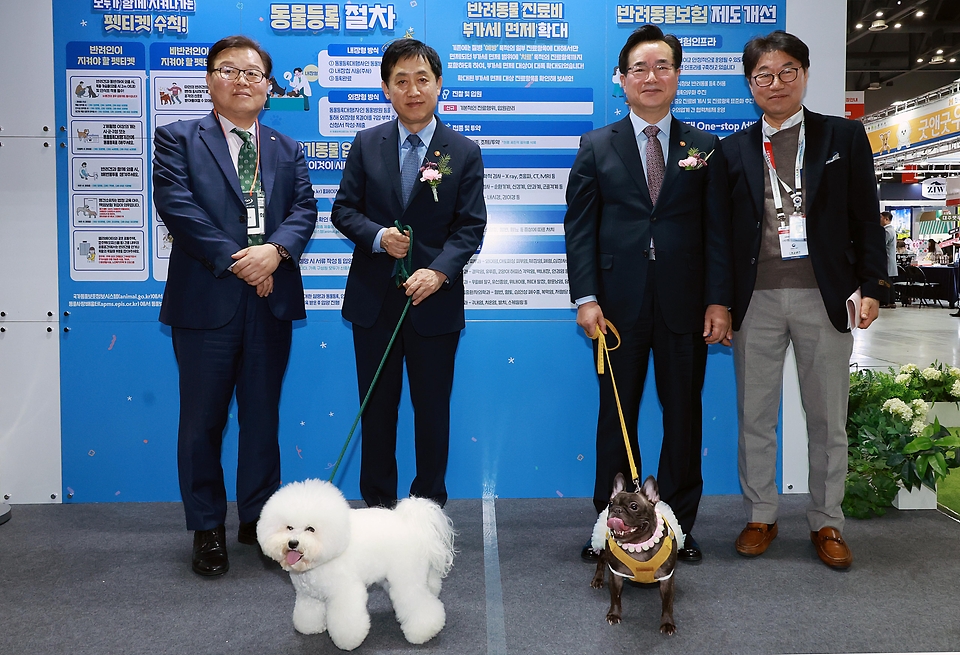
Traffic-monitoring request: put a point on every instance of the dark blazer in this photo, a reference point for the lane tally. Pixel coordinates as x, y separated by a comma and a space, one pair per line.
446, 232
844, 235
197, 194
610, 220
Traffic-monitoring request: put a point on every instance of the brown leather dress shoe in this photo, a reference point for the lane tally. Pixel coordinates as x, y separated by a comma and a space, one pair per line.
831, 548
755, 538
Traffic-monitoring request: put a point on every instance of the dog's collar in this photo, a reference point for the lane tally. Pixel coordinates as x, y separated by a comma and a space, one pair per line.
643, 571
649, 543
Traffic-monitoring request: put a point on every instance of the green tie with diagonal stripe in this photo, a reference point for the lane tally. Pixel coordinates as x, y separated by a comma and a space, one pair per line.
249, 180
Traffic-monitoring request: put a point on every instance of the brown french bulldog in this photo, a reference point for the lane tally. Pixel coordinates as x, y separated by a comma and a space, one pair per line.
633, 524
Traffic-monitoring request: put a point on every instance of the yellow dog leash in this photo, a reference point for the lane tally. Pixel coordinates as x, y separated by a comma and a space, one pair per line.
603, 354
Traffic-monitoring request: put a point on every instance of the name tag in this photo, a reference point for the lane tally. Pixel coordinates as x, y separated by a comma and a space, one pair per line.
254, 206
791, 248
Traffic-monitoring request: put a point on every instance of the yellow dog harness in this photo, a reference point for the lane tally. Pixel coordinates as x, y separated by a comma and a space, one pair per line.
642, 571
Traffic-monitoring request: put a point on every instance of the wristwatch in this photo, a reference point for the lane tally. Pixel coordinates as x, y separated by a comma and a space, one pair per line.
280, 249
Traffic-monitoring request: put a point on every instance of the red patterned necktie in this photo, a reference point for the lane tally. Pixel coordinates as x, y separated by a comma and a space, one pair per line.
654, 162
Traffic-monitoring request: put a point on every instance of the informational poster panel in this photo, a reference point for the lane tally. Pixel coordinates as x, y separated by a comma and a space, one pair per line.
523, 79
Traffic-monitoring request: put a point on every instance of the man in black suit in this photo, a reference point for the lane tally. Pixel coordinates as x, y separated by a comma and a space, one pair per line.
383, 182
648, 248
806, 238
236, 197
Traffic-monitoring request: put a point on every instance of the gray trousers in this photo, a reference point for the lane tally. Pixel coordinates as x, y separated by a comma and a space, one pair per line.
773, 320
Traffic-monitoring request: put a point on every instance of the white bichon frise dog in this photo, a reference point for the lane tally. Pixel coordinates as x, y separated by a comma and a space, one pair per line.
333, 553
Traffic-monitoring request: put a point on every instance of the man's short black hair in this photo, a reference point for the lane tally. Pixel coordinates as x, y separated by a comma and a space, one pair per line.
887, 216
239, 41
405, 49
773, 42
643, 35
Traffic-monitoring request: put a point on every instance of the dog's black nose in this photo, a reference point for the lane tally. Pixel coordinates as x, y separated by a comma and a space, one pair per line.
292, 544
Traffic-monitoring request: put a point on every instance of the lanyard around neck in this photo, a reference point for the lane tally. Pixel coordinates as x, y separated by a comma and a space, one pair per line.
795, 193
256, 171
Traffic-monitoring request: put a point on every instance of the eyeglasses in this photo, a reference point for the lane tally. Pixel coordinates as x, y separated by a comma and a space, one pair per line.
253, 75
642, 70
786, 76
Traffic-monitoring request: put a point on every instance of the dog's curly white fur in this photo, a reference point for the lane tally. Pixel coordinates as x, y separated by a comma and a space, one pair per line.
333, 553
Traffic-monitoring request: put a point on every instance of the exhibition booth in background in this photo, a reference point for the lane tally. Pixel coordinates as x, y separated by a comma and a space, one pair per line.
88, 387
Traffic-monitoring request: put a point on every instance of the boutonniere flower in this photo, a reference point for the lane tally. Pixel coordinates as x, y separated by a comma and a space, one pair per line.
695, 161
432, 173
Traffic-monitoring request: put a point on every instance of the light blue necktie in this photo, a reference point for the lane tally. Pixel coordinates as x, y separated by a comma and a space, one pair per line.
410, 168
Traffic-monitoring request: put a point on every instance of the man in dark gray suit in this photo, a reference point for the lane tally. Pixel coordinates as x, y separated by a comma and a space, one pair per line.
648, 247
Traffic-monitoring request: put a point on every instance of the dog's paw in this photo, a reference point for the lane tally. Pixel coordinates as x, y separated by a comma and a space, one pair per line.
597, 583
668, 629
613, 619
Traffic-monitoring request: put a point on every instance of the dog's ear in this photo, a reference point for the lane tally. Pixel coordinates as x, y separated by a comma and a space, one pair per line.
618, 485
651, 490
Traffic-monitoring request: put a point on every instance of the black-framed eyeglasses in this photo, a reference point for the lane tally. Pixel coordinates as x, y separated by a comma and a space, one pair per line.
786, 76
642, 70
253, 75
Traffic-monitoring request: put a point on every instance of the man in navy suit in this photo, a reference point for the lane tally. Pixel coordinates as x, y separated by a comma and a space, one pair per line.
237, 199
383, 183
648, 247
806, 238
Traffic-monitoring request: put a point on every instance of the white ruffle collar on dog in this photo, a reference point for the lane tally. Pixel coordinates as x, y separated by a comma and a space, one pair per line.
649, 543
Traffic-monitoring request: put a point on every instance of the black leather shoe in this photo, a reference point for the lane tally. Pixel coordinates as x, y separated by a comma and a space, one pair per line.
210, 552
247, 534
588, 554
690, 551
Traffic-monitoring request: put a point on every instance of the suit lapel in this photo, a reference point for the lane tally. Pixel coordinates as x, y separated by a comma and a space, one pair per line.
625, 143
390, 154
269, 153
211, 133
754, 168
678, 132
814, 159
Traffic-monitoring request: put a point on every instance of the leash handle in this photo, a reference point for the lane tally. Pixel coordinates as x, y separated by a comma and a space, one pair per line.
603, 354
404, 264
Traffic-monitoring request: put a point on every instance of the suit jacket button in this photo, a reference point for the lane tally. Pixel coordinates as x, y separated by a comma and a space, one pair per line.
758, 224
242, 219
646, 253
753, 260
653, 218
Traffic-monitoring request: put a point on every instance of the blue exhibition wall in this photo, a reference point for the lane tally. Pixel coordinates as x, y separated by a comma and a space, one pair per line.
524, 79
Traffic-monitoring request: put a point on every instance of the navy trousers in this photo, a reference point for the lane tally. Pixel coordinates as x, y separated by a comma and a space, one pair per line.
249, 354
430, 372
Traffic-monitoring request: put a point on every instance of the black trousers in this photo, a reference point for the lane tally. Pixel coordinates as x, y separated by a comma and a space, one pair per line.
249, 354
679, 362
429, 362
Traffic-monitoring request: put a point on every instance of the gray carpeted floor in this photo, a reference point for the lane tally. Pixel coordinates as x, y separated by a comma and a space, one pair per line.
115, 578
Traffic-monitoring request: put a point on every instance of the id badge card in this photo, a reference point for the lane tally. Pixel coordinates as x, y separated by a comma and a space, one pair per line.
254, 206
798, 227
791, 248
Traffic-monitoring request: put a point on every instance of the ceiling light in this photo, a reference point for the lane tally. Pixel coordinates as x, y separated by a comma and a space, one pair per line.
896, 26
879, 14
953, 60
919, 13
874, 86
937, 59
920, 61
940, 51
878, 25
859, 26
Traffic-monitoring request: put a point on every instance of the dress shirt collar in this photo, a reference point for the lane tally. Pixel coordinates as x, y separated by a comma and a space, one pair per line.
769, 130
639, 125
228, 127
426, 134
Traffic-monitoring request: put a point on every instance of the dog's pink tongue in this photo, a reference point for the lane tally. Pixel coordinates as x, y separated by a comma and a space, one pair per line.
616, 524
293, 557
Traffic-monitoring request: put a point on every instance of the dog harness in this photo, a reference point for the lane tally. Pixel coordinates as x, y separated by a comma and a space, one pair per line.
643, 571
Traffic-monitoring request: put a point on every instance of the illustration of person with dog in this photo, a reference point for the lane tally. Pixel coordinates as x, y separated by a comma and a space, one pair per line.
82, 90
648, 248
806, 238
447, 217
231, 283
175, 93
